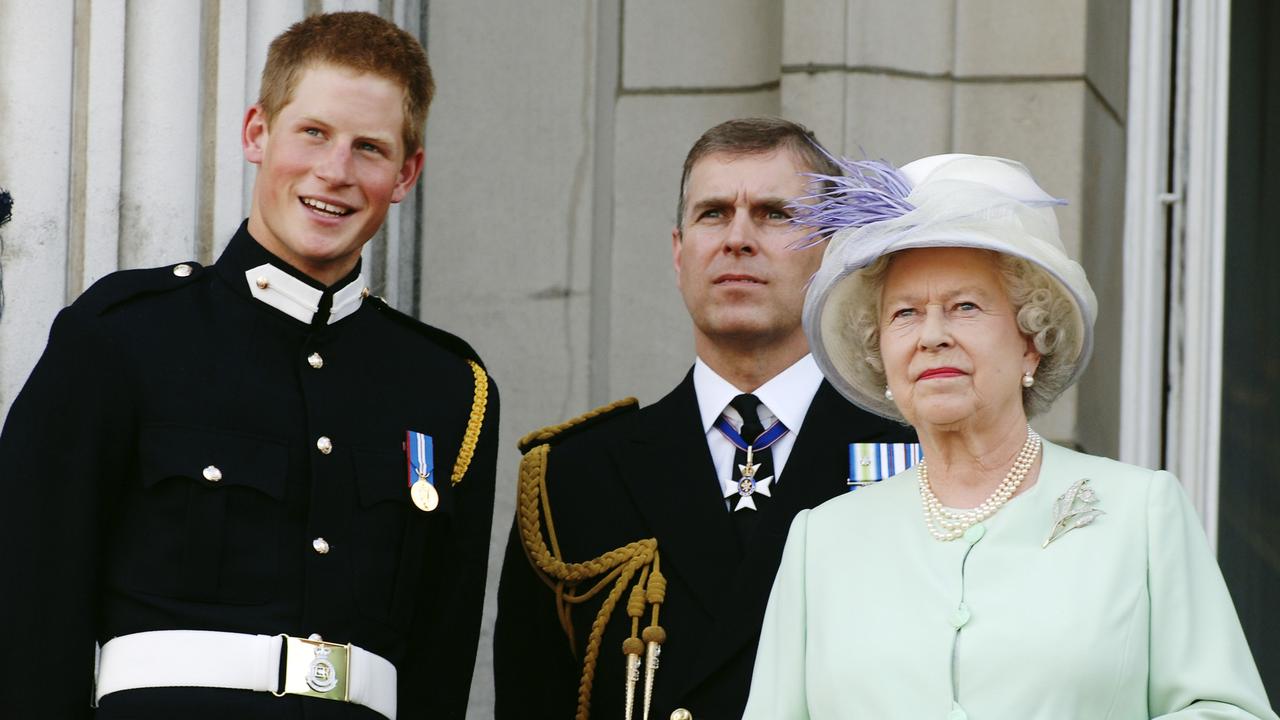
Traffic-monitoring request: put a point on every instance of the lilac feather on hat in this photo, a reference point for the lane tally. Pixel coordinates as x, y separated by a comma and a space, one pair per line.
869, 191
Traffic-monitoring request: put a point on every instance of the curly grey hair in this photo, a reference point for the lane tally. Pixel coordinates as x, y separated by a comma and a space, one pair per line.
1044, 310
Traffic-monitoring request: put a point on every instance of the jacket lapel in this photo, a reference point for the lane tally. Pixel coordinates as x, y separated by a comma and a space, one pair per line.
816, 471
667, 468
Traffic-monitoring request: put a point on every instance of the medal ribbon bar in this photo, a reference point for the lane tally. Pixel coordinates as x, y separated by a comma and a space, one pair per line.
872, 462
421, 457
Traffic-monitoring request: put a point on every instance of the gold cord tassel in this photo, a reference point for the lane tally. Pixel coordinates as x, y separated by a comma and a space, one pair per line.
653, 635
632, 646
613, 570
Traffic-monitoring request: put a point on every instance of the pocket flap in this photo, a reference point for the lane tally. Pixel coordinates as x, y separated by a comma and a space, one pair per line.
212, 458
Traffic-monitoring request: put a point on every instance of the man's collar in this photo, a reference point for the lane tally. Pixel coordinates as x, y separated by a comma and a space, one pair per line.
787, 395
250, 268
299, 300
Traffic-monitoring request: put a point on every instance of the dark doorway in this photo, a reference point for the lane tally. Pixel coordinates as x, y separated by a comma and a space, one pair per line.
1249, 493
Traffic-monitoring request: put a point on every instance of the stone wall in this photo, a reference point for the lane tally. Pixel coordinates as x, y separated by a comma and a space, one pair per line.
541, 228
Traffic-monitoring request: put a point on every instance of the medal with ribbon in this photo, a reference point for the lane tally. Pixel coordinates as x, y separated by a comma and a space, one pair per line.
872, 462
749, 484
422, 481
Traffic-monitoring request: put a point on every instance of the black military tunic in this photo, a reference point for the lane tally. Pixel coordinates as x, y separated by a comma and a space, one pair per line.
112, 522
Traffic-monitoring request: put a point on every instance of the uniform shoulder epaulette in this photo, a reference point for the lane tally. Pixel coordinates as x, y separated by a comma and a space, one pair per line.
555, 433
443, 338
124, 285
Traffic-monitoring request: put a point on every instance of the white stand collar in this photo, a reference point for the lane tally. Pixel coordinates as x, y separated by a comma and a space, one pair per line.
299, 300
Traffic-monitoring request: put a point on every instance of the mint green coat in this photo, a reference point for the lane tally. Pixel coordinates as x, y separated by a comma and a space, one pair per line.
1125, 618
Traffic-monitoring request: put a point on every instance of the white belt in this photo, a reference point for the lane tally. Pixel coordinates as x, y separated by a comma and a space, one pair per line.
200, 658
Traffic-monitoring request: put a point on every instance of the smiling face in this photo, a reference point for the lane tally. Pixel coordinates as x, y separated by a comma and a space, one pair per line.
741, 282
949, 338
330, 163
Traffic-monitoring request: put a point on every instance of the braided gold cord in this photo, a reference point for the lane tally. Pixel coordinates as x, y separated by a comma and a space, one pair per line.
619, 565
472, 435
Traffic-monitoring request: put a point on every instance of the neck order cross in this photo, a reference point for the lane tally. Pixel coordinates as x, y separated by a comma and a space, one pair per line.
752, 459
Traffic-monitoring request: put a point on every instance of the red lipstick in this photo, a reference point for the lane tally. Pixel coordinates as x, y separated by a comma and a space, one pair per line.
940, 372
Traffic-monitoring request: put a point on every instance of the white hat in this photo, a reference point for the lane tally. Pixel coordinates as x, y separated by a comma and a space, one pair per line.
939, 201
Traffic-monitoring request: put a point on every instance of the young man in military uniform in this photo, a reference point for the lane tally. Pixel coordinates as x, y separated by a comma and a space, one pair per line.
261, 492
659, 530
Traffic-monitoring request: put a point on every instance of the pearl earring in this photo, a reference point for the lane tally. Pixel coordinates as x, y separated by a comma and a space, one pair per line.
888, 394
1028, 379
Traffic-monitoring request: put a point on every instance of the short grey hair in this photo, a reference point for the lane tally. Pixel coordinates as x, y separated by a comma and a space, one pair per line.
757, 136
1045, 313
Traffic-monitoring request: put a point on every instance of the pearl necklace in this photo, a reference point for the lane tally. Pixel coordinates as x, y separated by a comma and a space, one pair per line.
946, 524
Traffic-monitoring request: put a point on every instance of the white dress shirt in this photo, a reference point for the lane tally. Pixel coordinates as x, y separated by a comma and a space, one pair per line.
784, 397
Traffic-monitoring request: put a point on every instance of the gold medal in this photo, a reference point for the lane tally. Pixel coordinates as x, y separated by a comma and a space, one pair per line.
424, 495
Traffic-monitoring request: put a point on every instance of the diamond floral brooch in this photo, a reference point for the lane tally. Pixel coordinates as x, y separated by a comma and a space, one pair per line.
1073, 509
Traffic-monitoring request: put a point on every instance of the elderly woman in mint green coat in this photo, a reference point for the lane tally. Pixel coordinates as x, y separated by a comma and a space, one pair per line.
1002, 576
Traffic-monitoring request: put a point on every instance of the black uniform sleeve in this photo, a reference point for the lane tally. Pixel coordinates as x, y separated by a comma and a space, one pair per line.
535, 675
68, 438
436, 680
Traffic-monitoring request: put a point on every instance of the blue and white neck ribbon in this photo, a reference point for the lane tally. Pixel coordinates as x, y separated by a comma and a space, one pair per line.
748, 484
418, 447
872, 462
767, 438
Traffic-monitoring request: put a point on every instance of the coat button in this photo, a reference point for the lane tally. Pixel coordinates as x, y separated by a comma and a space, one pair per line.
315, 361
681, 714
957, 713
183, 270
212, 473
320, 545
262, 283
324, 445
961, 616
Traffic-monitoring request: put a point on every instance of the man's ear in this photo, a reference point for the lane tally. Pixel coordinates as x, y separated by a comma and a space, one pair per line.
676, 240
409, 173
253, 136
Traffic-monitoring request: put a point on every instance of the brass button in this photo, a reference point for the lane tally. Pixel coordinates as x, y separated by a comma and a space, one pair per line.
183, 270
262, 283
320, 545
324, 445
681, 714
212, 473
315, 361
364, 293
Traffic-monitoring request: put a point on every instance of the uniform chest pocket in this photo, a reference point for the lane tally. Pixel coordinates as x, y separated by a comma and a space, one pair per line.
206, 521
391, 534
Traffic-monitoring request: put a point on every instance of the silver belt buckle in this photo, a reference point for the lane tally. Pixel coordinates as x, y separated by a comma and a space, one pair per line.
316, 668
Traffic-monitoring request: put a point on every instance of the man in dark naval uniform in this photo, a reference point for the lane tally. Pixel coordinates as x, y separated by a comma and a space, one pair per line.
261, 492
659, 530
